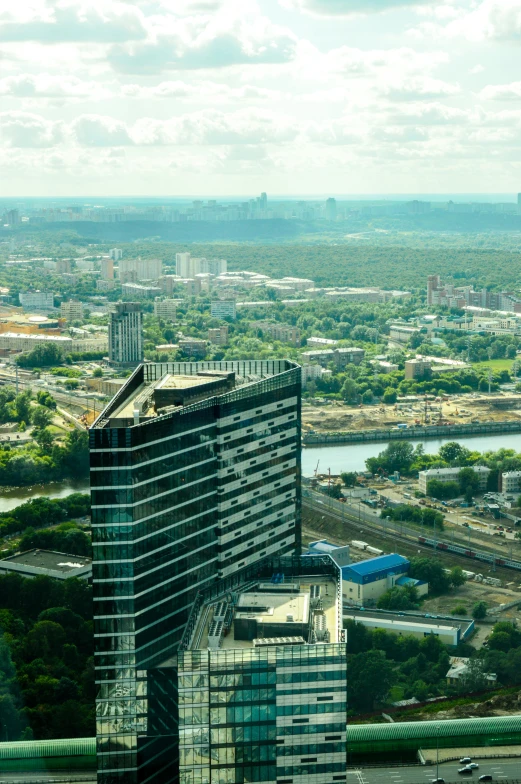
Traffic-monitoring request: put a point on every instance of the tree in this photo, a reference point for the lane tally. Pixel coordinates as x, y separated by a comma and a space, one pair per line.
430, 571
98, 372
473, 679
479, 611
45, 439
398, 456
349, 390
457, 578
41, 417
45, 399
367, 396
405, 598
44, 355
453, 453
348, 478
390, 396
442, 490
468, 482
369, 677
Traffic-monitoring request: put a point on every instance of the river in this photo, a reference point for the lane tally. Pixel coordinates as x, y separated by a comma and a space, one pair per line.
18, 495
352, 457
343, 457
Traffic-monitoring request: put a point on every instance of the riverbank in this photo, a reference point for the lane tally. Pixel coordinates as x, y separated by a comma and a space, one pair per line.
410, 433
14, 496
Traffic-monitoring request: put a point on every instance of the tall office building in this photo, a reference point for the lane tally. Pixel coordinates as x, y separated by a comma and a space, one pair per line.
331, 209
195, 477
126, 334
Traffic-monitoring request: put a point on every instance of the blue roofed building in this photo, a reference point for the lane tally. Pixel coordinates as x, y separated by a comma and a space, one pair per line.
363, 583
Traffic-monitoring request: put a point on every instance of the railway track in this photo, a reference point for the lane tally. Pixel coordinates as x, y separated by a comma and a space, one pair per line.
347, 526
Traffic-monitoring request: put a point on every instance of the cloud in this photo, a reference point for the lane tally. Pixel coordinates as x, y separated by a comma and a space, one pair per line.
349, 7
208, 91
236, 34
491, 20
96, 131
21, 129
501, 92
67, 21
50, 86
418, 88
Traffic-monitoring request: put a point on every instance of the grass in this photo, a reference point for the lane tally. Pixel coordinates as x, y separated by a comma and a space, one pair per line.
494, 364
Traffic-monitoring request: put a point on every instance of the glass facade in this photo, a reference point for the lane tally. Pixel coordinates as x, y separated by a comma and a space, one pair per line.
250, 716
180, 500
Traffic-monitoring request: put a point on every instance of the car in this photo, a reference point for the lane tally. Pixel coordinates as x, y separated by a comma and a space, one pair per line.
438, 781
486, 777
465, 760
465, 771
473, 765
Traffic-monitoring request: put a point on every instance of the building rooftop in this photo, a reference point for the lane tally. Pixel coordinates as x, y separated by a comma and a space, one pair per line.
364, 568
48, 562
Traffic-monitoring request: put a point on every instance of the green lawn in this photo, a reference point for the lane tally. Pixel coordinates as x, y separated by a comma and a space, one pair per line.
496, 364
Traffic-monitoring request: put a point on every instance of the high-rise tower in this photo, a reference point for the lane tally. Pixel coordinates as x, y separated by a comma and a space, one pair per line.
195, 478
126, 334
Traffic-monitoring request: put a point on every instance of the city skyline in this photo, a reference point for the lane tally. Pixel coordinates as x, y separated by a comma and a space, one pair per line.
284, 95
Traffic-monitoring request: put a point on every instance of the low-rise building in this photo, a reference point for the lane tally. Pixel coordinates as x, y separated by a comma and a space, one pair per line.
449, 632
402, 334
218, 336
417, 368
283, 332
511, 481
318, 342
366, 581
340, 555
340, 356
140, 291
459, 668
34, 563
193, 347
450, 475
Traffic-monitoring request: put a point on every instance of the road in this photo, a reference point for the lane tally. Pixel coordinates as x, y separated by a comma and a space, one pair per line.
505, 770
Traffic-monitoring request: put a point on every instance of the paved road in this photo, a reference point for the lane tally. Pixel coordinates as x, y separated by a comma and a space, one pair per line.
501, 770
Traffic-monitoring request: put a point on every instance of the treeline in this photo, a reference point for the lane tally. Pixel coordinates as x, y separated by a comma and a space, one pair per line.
45, 460
43, 512
46, 658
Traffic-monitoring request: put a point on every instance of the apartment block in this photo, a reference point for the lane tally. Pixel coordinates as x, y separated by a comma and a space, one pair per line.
136, 270
36, 300
218, 336
107, 268
283, 332
165, 309
126, 334
72, 310
340, 356
223, 309
450, 475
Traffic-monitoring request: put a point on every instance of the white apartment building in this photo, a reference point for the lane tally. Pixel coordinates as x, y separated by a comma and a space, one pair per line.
116, 254
188, 267
135, 270
450, 475
126, 334
402, 334
223, 308
165, 309
17, 341
36, 300
72, 310
511, 481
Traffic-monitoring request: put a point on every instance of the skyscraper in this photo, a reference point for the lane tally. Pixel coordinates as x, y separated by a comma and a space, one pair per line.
331, 209
107, 268
126, 334
195, 477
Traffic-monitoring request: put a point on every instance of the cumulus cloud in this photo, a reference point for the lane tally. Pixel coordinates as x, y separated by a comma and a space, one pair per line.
490, 20
96, 131
21, 129
66, 21
209, 91
50, 86
349, 7
419, 88
501, 92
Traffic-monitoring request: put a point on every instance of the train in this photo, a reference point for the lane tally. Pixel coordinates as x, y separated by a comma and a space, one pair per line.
489, 558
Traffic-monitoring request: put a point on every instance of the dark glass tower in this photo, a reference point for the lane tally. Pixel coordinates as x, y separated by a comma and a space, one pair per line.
195, 477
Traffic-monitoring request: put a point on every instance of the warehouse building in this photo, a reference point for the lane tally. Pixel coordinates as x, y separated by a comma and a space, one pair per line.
407, 626
61, 566
364, 582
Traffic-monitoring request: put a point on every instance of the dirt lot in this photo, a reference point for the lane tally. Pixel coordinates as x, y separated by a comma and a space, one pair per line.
335, 415
473, 592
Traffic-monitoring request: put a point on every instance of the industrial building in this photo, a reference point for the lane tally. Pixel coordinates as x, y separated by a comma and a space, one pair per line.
61, 566
407, 625
340, 555
366, 581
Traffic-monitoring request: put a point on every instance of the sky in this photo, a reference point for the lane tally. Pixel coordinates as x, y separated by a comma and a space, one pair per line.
230, 97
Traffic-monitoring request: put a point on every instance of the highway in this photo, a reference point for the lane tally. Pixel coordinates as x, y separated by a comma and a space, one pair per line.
506, 770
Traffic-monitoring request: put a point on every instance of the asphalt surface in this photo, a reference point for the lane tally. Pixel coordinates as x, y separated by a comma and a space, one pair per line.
503, 770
